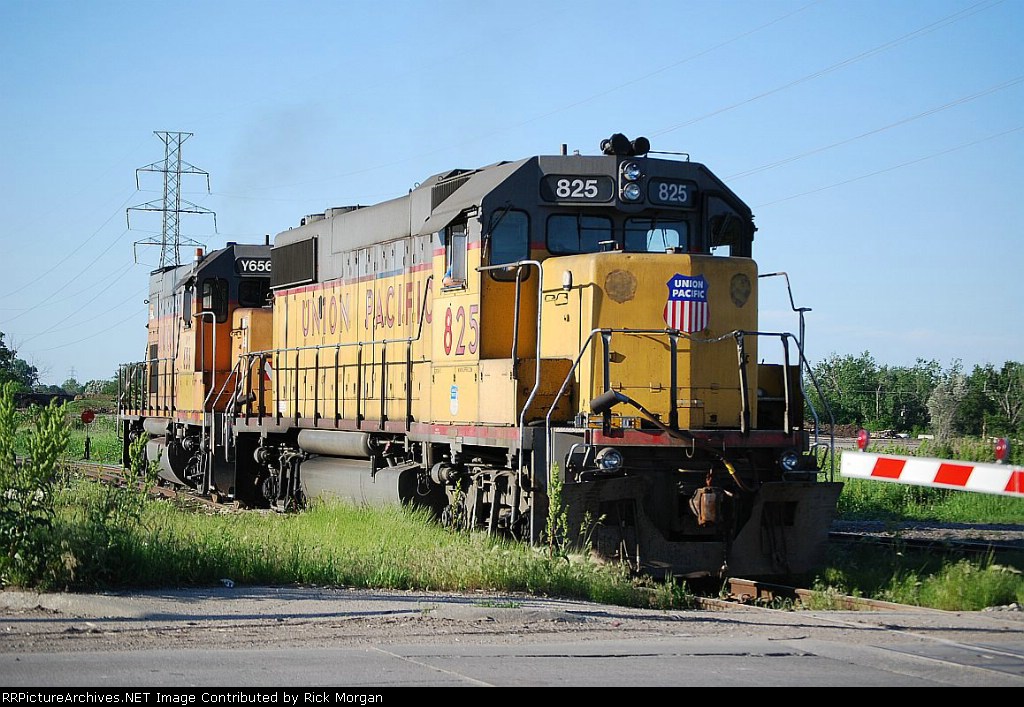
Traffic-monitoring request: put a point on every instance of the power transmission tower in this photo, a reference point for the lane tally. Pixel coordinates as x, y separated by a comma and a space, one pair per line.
172, 206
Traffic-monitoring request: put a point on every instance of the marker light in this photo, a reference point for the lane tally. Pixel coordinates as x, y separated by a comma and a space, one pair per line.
863, 439
631, 192
631, 171
1002, 450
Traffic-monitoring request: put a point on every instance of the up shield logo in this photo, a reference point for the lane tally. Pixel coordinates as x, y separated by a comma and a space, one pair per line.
687, 305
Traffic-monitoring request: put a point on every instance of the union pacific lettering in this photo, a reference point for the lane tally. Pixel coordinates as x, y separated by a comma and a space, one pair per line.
688, 288
326, 313
330, 309
391, 306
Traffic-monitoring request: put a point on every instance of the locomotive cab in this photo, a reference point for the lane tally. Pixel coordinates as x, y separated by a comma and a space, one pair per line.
177, 396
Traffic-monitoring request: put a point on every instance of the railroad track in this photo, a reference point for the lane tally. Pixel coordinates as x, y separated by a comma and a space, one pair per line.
940, 538
748, 592
979, 548
114, 474
736, 592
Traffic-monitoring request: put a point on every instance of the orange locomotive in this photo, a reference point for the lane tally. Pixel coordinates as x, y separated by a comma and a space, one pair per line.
586, 319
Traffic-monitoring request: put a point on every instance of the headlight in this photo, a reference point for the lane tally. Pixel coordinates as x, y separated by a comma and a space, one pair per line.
609, 459
631, 192
631, 171
789, 460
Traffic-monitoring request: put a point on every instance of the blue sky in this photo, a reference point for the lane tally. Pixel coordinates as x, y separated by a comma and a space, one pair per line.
880, 143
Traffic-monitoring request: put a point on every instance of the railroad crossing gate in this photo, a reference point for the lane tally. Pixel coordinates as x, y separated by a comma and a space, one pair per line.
1002, 479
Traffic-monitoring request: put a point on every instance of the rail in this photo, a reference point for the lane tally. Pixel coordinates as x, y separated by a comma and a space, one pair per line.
816, 445
673, 336
257, 360
520, 266
137, 386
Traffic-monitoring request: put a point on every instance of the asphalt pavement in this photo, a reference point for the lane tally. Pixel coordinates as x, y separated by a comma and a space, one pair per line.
306, 638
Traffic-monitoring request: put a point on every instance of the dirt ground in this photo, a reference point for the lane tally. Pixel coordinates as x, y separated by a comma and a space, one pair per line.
277, 617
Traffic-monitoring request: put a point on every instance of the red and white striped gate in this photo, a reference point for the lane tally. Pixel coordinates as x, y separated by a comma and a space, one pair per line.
1002, 479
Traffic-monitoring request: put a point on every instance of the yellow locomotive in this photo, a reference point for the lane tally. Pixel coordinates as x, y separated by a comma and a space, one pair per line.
590, 320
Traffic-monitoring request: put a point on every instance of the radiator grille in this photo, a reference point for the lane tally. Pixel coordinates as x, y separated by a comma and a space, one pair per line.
293, 264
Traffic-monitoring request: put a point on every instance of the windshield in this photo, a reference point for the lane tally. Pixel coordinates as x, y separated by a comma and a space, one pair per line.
645, 235
572, 233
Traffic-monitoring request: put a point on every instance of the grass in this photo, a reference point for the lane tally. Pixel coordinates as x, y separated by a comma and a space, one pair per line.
104, 445
331, 545
904, 576
393, 548
864, 499
950, 582
100, 538
487, 604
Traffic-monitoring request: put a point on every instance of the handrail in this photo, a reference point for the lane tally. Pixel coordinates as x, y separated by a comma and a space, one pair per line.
132, 380
266, 354
202, 354
800, 344
608, 332
739, 335
548, 442
213, 381
799, 310
234, 373
519, 265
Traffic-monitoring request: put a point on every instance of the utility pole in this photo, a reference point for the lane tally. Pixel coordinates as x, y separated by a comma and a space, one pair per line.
172, 205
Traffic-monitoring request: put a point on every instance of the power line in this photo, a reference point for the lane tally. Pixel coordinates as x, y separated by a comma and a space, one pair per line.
81, 245
548, 114
104, 312
74, 195
904, 121
67, 282
115, 274
133, 315
894, 167
938, 24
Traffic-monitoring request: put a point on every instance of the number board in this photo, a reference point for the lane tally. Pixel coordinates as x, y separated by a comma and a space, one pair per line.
672, 192
568, 187
252, 266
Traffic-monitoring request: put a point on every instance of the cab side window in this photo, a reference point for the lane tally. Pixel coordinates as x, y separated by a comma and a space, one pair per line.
509, 241
727, 228
154, 370
215, 297
455, 255
252, 292
186, 306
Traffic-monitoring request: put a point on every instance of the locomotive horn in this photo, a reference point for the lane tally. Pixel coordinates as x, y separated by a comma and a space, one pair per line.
641, 146
617, 144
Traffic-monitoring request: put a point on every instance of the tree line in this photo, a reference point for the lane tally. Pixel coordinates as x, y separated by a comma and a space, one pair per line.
24, 378
986, 401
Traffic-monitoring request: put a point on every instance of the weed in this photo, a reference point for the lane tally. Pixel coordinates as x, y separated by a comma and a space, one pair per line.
558, 517
28, 492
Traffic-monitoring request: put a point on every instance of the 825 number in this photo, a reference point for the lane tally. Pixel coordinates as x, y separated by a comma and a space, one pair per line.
576, 188
572, 187
672, 192
457, 321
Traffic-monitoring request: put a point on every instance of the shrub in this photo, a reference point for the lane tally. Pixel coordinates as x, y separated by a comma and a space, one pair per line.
28, 489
